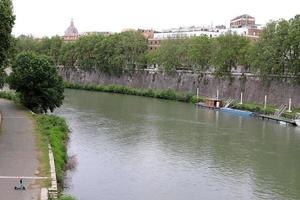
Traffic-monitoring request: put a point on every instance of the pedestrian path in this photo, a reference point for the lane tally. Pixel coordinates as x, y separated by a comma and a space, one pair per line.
18, 153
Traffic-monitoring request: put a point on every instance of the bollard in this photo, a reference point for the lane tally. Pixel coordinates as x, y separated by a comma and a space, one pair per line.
241, 102
265, 105
290, 105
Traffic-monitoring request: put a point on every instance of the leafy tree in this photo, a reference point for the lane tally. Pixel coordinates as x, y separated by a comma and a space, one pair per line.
172, 54
7, 20
294, 41
85, 51
200, 52
68, 55
26, 43
230, 51
37, 81
131, 46
278, 50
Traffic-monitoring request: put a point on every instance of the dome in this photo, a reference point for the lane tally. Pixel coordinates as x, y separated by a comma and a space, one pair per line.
71, 30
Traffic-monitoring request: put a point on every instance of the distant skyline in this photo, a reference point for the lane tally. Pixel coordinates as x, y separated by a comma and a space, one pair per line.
52, 17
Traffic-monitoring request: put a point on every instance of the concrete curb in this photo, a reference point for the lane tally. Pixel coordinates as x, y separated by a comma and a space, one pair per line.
52, 191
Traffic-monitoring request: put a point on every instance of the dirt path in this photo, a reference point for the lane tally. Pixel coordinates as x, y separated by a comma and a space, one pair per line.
18, 152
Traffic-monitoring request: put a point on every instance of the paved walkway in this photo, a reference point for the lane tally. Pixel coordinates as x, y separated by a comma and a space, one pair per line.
18, 153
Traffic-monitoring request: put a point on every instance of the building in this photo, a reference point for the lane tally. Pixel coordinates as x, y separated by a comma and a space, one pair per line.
104, 33
153, 43
155, 38
147, 33
71, 34
188, 32
242, 21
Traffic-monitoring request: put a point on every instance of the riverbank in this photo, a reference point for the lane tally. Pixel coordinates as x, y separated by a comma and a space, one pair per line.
170, 94
53, 130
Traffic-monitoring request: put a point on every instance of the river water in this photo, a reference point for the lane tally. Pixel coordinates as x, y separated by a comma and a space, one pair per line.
136, 148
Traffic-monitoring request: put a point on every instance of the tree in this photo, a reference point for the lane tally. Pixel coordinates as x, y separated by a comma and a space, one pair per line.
7, 20
230, 51
200, 52
172, 54
37, 81
67, 55
278, 50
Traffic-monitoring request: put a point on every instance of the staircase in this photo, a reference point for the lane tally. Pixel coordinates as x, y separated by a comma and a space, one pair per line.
280, 110
228, 102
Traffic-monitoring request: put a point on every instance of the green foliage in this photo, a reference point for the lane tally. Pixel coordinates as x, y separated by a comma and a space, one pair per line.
37, 81
230, 51
66, 198
257, 108
9, 95
111, 54
161, 94
278, 50
55, 130
46, 46
7, 20
68, 54
200, 52
172, 54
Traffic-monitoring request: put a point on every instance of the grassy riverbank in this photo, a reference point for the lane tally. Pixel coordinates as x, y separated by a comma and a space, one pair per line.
54, 130
170, 94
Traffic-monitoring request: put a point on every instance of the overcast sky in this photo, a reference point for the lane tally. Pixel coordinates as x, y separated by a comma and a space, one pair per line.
52, 17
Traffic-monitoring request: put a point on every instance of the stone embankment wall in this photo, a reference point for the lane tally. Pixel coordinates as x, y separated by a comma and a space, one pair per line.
253, 89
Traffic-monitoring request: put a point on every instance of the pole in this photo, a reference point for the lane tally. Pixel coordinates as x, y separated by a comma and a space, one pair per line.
197, 93
241, 102
217, 94
290, 105
265, 105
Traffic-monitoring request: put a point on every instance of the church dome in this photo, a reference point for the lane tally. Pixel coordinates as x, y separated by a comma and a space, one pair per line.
71, 30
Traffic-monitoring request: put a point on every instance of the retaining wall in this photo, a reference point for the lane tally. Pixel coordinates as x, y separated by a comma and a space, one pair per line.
252, 86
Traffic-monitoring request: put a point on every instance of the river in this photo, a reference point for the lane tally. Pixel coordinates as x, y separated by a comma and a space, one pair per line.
136, 148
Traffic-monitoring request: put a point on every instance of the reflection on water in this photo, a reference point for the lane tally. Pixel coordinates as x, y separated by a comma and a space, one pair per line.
134, 148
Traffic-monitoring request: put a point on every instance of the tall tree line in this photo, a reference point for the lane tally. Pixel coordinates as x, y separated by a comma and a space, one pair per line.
277, 52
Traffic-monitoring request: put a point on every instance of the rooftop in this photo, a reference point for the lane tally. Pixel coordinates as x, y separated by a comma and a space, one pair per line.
243, 16
71, 30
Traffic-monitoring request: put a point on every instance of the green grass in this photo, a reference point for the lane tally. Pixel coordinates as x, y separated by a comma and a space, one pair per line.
168, 94
252, 107
55, 129
66, 198
43, 157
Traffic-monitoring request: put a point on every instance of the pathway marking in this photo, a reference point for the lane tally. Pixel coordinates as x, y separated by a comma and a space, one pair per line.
12, 117
23, 177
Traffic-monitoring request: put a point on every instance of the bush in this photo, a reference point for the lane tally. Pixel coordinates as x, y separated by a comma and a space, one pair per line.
37, 81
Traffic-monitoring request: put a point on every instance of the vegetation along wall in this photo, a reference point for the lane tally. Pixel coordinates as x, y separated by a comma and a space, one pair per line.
254, 89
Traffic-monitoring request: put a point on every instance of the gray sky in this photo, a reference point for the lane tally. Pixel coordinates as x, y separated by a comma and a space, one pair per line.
52, 17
